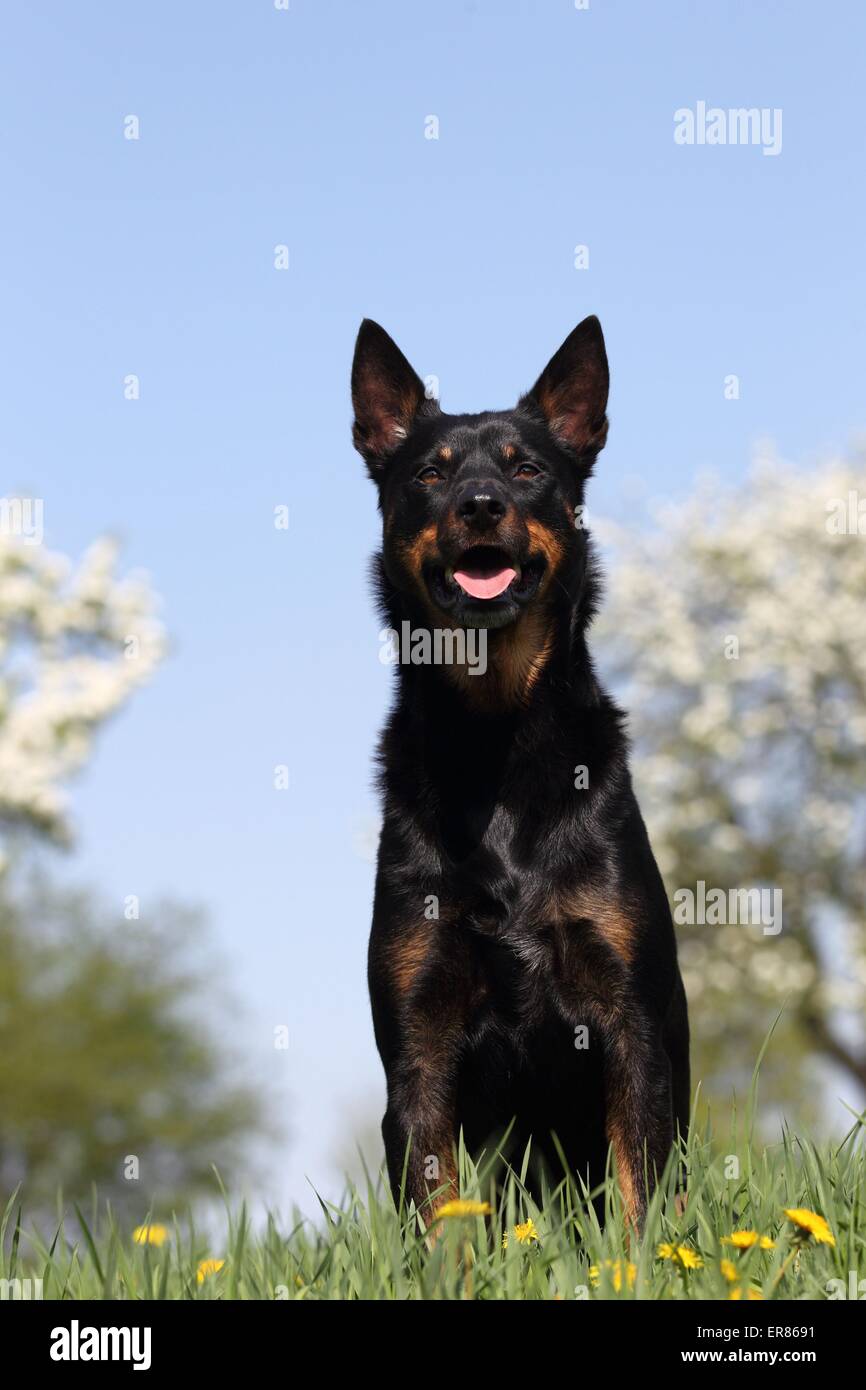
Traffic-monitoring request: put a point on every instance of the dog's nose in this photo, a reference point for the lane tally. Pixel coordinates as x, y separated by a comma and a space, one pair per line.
481, 506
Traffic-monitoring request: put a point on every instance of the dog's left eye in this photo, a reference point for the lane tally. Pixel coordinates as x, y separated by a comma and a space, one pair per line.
526, 470
429, 475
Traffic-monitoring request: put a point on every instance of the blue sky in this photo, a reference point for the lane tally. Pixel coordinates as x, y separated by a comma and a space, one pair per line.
155, 257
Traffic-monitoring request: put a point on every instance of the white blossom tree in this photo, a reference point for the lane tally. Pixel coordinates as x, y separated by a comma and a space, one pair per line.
75, 642
737, 629
103, 1053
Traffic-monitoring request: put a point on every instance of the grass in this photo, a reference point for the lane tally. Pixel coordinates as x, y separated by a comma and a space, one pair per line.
362, 1248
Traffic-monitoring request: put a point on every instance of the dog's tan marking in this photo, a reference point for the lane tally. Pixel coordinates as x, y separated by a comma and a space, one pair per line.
610, 918
550, 546
516, 657
406, 958
446, 453
617, 1131
433, 1226
432, 1039
522, 659
508, 452
420, 548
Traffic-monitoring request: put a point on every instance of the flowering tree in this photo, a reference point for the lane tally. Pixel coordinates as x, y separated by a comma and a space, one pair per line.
75, 642
114, 1067
738, 628
104, 1058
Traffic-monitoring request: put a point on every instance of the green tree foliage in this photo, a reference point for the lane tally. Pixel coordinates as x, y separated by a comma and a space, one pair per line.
113, 1069
113, 1064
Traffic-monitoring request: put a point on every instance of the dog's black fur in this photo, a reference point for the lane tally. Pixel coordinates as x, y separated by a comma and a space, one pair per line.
519, 912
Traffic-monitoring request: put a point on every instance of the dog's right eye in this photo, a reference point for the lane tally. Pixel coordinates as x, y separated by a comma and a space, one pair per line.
430, 475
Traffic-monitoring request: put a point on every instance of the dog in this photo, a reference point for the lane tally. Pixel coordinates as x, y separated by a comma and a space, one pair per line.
522, 961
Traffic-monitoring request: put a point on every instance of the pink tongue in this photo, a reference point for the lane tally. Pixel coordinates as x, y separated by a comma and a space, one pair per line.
488, 585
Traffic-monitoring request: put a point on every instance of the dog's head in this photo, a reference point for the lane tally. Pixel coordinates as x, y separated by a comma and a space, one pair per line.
482, 513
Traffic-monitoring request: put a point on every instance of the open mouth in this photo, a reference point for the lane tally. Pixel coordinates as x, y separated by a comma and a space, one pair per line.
485, 578
482, 575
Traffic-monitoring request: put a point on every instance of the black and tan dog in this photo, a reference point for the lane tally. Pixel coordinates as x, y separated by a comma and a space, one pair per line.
522, 958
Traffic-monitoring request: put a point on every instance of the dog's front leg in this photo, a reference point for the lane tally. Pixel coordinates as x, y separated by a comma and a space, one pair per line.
637, 1084
420, 1127
418, 992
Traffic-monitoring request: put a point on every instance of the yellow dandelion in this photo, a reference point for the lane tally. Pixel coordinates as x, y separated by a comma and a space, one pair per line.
150, 1235
462, 1207
207, 1267
689, 1259
526, 1232
809, 1223
729, 1269
618, 1268
753, 1295
681, 1255
744, 1240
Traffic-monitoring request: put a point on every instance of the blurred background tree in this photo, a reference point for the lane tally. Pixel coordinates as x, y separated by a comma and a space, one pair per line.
113, 1068
737, 630
75, 643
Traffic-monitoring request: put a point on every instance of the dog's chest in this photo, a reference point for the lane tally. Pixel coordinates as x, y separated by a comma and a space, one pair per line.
505, 897
503, 879
525, 913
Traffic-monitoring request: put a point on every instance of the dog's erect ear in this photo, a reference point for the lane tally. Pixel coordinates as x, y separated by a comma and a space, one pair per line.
571, 392
386, 394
